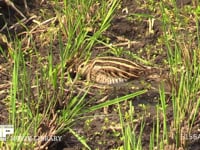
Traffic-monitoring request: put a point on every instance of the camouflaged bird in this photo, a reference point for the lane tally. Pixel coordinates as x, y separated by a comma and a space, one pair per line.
113, 70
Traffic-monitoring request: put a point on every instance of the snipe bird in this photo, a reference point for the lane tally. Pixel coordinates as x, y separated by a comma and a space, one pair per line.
113, 70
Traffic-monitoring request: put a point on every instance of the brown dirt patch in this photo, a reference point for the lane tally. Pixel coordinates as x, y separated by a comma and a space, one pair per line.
126, 28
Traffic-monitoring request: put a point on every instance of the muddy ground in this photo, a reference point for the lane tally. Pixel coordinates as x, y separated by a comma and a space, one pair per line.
131, 34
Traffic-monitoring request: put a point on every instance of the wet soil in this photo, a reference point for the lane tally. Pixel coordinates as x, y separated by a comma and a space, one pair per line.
135, 35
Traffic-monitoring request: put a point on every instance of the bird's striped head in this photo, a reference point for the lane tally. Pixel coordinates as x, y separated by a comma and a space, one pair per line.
83, 68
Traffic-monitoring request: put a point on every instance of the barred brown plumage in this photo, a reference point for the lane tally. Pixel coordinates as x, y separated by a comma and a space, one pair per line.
113, 70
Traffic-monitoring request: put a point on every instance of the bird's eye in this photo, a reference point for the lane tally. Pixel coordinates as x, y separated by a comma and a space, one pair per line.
82, 65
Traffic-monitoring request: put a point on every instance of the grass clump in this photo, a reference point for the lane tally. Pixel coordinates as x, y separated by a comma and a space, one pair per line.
45, 98
41, 101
